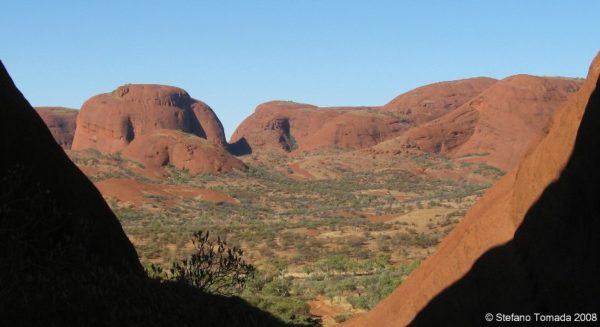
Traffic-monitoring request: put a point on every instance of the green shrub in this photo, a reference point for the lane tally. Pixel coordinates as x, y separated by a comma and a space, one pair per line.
278, 287
342, 317
214, 267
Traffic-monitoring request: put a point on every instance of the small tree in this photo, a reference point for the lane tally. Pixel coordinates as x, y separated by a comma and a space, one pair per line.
214, 267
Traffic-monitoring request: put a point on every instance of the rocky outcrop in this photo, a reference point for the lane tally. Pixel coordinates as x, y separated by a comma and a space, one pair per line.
497, 126
479, 119
528, 245
64, 258
431, 101
287, 126
109, 122
60, 122
182, 150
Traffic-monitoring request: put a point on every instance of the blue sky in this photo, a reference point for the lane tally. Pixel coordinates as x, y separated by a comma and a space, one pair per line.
237, 54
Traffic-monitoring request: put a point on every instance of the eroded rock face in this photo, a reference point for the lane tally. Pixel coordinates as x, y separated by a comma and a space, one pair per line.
182, 150
528, 245
110, 121
498, 125
61, 123
434, 100
280, 126
313, 128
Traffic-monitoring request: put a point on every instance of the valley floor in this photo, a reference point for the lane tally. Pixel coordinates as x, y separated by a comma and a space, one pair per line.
331, 233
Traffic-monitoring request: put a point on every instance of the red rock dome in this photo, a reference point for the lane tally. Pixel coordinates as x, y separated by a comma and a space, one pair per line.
110, 121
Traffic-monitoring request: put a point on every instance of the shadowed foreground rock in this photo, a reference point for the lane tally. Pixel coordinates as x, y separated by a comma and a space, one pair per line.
64, 258
529, 245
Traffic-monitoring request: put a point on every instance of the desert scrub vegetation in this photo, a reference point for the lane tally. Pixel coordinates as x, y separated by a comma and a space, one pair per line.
326, 232
404, 119
53, 275
213, 267
484, 169
217, 268
107, 166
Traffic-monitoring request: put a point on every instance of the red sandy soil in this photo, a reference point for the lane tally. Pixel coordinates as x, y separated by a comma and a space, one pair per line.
60, 122
374, 218
307, 231
132, 191
556, 226
378, 192
299, 172
110, 121
319, 308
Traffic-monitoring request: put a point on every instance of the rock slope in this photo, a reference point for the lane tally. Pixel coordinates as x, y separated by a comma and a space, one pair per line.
34, 166
431, 101
287, 126
498, 125
528, 245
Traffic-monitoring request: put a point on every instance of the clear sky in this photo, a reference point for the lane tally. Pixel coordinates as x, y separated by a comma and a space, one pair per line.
236, 54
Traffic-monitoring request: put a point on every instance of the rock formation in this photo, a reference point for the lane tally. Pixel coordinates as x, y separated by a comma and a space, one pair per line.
497, 126
64, 258
182, 150
287, 126
431, 101
61, 122
108, 122
528, 245
479, 119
